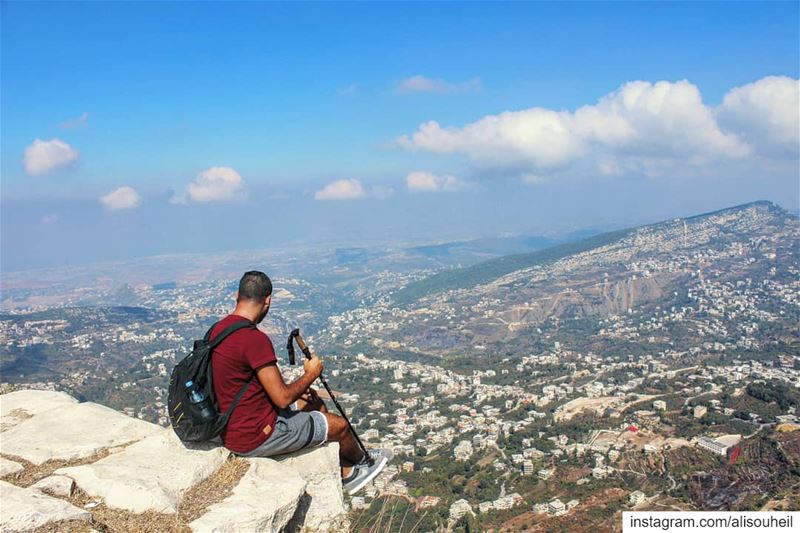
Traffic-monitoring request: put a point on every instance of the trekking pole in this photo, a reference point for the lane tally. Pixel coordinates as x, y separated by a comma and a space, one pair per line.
295, 336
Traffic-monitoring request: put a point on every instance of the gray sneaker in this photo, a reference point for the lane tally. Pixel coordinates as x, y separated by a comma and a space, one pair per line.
376, 454
362, 474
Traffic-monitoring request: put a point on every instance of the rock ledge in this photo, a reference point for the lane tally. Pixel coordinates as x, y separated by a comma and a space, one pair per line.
145, 468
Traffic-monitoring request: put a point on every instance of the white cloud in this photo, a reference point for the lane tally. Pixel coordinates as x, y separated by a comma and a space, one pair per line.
422, 181
341, 190
641, 127
122, 198
43, 157
51, 218
766, 113
215, 184
80, 121
422, 84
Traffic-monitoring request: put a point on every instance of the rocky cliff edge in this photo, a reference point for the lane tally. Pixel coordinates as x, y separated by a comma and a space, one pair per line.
70, 466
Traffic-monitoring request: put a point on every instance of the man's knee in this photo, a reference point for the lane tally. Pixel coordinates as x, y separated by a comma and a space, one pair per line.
337, 427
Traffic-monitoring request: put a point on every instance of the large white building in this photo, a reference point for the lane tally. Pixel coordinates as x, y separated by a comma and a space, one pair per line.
713, 446
556, 507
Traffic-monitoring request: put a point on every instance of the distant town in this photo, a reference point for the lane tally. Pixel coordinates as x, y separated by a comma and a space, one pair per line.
651, 371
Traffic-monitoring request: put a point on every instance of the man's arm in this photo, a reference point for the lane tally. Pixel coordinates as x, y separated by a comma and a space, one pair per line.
279, 392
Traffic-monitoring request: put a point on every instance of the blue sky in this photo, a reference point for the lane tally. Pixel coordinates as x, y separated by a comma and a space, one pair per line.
166, 127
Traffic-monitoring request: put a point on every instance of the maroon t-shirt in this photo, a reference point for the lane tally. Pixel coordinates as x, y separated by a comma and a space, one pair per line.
234, 363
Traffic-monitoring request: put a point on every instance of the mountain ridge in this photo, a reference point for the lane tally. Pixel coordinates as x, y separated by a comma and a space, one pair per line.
492, 269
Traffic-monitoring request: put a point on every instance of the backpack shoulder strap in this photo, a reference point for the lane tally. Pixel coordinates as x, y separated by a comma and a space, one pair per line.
238, 397
227, 331
207, 336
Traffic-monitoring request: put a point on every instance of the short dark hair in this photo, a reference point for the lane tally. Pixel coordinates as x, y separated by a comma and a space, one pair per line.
254, 285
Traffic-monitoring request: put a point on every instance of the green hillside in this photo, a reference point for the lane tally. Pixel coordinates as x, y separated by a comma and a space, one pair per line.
494, 268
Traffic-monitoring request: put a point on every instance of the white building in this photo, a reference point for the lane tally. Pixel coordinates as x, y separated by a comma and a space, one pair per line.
572, 504
459, 509
527, 468
504, 503
601, 472
545, 473
637, 497
556, 507
700, 411
463, 450
659, 405
713, 446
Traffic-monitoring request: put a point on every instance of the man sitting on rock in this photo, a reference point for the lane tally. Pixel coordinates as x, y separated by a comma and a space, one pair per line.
274, 417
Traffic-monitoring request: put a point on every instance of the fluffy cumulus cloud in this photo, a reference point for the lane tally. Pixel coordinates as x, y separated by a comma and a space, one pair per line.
122, 198
421, 181
422, 84
347, 189
640, 127
765, 113
44, 157
215, 184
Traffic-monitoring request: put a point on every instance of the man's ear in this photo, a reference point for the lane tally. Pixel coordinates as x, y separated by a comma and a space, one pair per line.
268, 300
237, 296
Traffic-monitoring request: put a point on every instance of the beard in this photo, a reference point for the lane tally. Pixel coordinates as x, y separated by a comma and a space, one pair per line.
262, 315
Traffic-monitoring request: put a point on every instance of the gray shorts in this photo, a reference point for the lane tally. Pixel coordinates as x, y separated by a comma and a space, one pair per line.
294, 430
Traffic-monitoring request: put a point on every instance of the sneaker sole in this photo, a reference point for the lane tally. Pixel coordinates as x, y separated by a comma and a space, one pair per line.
381, 466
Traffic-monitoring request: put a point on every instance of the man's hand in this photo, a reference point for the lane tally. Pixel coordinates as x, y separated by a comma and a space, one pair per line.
310, 396
311, 401
313, 366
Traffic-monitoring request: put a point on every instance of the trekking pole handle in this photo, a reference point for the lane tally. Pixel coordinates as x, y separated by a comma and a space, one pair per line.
301, 343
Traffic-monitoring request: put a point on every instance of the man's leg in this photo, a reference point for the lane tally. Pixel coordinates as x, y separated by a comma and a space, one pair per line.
338, 431
349, 451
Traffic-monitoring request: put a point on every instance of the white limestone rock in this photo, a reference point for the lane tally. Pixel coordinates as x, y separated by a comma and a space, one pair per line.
7, 466
15, 407
322, 508
265, 500
57, 485
151, 474
24, 509
72, 431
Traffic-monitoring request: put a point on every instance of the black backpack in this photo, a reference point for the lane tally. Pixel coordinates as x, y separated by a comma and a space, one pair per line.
185, 416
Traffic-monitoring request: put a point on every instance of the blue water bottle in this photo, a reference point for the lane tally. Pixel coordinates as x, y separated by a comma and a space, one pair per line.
200, 405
